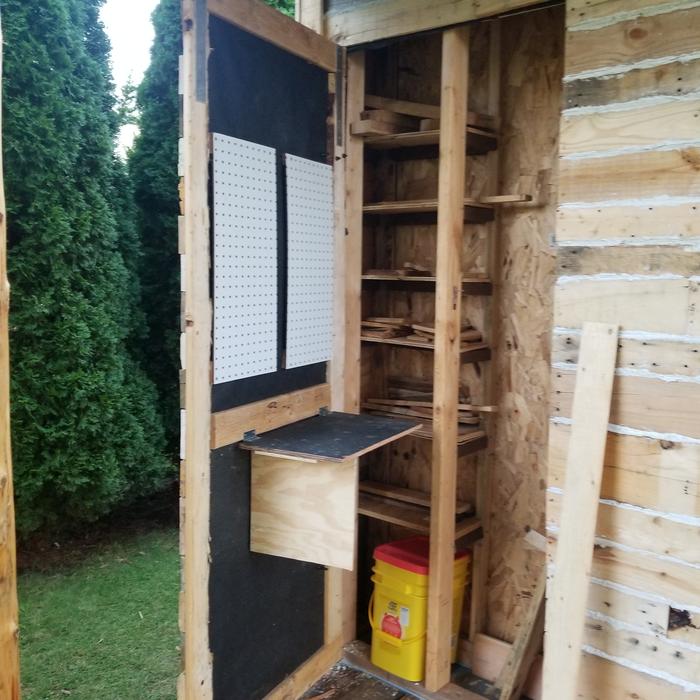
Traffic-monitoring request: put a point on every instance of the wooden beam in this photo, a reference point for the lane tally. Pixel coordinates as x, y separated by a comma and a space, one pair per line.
354, 175
570, 582
197, 668
310, 14
380, 20
526, 647
450, 229
229, 426
271, 25
9, 614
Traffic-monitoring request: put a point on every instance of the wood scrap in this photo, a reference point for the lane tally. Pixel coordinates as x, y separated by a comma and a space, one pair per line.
371, 127
386, 116
428, 124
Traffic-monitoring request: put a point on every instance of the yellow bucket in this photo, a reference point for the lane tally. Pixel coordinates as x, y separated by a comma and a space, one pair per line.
398, 609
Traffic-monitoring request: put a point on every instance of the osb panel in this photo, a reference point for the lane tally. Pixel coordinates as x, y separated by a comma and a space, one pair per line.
531, 78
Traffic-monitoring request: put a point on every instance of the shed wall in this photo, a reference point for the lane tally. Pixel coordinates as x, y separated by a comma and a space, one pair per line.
627, 251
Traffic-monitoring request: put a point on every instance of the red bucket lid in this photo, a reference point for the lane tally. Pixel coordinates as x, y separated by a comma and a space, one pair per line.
412, 554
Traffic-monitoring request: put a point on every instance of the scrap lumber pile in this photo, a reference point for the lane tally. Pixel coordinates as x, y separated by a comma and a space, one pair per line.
414, 398
383, 327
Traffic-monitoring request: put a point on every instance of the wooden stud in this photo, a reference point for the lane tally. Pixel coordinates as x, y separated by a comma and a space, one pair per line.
450, 228
527, 645
230, 426
310, 14
197, 681
271, 25
569, 586
9, 613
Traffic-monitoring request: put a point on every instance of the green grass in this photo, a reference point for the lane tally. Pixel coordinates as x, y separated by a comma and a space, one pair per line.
105, 628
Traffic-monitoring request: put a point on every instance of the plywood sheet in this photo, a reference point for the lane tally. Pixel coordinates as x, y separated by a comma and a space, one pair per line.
245, 259
332, 436
304, 511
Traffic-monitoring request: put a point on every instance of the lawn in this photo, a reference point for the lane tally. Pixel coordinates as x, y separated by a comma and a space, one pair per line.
105, 627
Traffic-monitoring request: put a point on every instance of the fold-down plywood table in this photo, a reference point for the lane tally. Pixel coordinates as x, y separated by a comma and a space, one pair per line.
304, 484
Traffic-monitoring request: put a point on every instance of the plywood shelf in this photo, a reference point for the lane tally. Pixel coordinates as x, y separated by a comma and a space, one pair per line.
470, 285
479, 142
412, 496
408, 515
331, 437
474, 212
471, 352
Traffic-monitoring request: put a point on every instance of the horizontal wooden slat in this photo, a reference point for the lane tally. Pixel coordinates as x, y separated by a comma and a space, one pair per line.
635, 175
600, 679
640, 402
634, 260
397, 493
669, 34
271, 25
628, 222
645, 573
643, 471
229, 426
646, 649
646, 614
582, 11
678, 78
657, 305
654, 355
643, 126
635, 528
362, 23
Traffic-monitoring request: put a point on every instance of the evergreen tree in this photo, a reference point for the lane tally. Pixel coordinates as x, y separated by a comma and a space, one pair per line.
86, 429
153, 169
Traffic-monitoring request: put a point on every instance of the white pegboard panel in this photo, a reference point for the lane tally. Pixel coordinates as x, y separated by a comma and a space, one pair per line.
309, 261
245, 259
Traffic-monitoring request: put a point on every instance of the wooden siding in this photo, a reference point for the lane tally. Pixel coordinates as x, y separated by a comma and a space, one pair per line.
627, 237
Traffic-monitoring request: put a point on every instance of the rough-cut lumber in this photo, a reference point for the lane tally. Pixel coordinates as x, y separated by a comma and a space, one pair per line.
667, 34
197, 668
526, 647
373, 21
230, 426
450, 227
310, 14
584, 469
271, 25
645, 471
9, 629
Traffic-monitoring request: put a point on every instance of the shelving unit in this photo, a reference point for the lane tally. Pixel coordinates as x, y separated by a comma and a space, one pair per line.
420, 209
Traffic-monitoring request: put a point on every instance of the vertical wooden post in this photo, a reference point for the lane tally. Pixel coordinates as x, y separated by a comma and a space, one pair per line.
310, 14
450, 229
9, 630
341, 586
481, 551
196, 683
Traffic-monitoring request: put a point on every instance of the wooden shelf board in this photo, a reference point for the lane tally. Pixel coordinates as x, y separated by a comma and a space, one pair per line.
470, 285
472, 352
479, 141
398, 493
415, 206
332, 437
408, 515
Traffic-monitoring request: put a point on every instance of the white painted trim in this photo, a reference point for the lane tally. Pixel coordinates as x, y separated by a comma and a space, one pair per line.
631, 105
624, 430
637, 372
612, 71
600, 22
671, 517
637, 335
617, 276
662, 200
668, 145
687, 244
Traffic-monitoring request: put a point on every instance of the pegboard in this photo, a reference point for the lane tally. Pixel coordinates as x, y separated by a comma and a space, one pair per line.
309, 261
245, 259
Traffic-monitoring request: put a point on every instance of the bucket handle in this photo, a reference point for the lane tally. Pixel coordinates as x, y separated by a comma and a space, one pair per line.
387, 637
